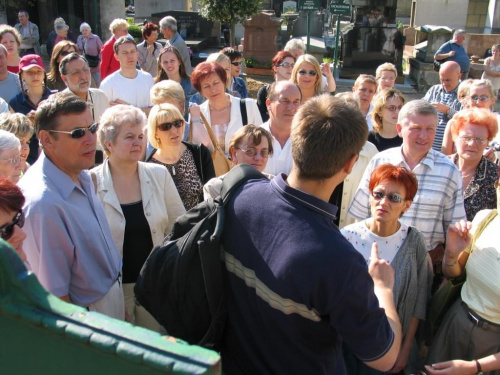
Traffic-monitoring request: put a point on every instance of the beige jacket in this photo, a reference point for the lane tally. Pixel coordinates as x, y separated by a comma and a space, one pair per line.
160, 199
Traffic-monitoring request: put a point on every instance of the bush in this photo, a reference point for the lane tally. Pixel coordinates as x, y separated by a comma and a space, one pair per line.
135, 31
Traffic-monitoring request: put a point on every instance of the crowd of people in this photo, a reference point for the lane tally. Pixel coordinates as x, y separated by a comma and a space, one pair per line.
371, 202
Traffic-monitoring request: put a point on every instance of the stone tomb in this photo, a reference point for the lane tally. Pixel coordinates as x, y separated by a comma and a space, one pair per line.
261, 34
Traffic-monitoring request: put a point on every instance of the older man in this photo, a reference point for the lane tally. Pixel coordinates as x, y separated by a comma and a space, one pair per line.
30, 37
282, 103
444, 98
439, 200
453, 50
9, 82
168, 27
292, 274
69, 245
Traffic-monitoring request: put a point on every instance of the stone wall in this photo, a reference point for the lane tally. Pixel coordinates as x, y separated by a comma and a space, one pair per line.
477, 13
477, 44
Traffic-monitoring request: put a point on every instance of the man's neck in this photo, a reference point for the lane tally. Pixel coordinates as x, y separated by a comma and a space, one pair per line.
411, 159
4, 75
129, 72
280, 133
82, 95
321, 189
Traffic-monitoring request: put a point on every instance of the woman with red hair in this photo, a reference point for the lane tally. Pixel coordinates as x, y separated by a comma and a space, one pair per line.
392, 190
12, 216
149, 49
472, 129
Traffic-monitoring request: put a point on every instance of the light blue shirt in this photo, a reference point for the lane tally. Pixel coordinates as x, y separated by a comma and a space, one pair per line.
68, 240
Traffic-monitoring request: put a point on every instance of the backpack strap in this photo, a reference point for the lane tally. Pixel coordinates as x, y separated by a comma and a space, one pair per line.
243, 110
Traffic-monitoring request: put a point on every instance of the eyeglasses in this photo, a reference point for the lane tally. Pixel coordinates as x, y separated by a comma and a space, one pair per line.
287, 65
238, 63
78, 132
304, 72
7, 230
393, 108
469, 140
166, 126
251, 152
13, 161
393, 197
79, 72
482, 98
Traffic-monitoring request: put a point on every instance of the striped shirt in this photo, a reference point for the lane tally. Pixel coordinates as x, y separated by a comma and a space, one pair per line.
439, 199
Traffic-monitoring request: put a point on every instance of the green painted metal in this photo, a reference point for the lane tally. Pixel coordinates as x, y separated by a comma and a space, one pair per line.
43, 335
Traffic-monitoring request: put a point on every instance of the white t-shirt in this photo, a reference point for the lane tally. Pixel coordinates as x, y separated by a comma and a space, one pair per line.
134, 91
281, 161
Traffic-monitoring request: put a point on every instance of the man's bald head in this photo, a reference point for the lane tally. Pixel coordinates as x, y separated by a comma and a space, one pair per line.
449, 75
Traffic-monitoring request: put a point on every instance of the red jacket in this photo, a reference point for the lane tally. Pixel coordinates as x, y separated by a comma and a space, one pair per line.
108, 62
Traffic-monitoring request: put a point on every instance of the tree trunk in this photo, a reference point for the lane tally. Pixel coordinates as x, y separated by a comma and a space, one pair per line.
231, 35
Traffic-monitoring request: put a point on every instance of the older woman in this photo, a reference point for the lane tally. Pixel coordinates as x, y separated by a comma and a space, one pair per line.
12, 216
249, 145
189, 164
19, 125
140, 199
307, 75
11, 39
392, 190
90, 44
222, 111
10, 157
118, 28
61, 50
384, 115
386, 75
472, 129
149, 49
282, 65
470, 331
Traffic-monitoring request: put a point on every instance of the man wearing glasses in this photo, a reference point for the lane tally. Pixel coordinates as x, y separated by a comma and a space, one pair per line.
69, 244
439, 199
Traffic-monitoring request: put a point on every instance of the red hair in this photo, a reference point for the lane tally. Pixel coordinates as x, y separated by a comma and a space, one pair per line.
399, 175
148, 29
476, 116
205, 69
11, 197
280, 57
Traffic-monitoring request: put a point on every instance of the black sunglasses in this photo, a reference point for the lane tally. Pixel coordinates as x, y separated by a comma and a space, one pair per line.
394, 198
78, 132
166, 126
237, 63
304, 72
7, 230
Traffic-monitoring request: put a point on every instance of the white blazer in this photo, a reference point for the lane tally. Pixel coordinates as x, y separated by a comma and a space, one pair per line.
160, 200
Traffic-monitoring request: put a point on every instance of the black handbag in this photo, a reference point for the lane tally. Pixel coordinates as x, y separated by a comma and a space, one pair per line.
92, 60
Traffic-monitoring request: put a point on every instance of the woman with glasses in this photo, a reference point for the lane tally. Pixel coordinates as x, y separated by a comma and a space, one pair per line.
12, 216
61, 50
282, 63
307, 75
189, 164
238, 85
10, 157
11, 40
472, 129
392, 190
386, 107
139, 199
386, 75
252, 145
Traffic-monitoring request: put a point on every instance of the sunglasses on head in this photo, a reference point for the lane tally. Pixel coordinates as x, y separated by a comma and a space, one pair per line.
237, 63
78, 132
304, 72
394, 198
166, 126
8, 229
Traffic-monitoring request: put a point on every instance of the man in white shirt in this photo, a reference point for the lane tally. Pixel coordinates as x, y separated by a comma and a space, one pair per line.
282, 103
128, 85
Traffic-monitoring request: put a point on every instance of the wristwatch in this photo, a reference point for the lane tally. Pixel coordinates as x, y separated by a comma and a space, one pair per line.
197, 121
479, 369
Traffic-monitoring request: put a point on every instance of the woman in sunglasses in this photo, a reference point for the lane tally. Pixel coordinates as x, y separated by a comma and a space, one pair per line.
307, 75
252, 145
139, 199
238, 86
386, 107
472, 129
189, 164
392, 190
12, 216
60, 51
282, 63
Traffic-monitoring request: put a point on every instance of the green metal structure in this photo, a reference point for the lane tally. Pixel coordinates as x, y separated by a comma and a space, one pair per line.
40, 334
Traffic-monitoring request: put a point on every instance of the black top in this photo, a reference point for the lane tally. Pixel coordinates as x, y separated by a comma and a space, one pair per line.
382, 143
261, 102
137, 242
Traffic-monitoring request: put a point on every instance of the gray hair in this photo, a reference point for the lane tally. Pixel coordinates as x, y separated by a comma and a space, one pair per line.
17, 124
113, 118
458, 32
416, 107
295, 44
61, 26
59, 21
84, 26
8, 141
168, 22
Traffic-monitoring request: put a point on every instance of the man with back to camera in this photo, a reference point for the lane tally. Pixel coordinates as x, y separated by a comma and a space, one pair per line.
296, 287
453, 50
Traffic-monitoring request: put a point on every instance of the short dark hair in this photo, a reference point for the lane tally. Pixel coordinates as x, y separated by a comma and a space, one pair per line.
25, 12
123, 40
56, 105
232, 53
67, 59
326, 133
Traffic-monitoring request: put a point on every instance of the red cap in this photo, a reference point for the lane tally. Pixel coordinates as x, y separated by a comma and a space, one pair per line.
29, 61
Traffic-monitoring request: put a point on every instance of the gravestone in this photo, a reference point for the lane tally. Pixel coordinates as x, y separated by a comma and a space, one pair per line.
261, 33
300, 25
436, 36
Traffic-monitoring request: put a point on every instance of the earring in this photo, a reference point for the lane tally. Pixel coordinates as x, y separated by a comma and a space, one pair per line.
159, 141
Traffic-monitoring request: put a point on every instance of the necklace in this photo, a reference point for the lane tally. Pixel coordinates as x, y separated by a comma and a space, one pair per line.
219, 110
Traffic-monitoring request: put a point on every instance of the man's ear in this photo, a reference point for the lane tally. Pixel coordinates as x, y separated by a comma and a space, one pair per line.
48, 143
349, 165
399, 127
65, 79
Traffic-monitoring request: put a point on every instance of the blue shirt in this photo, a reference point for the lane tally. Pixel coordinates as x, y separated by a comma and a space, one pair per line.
296, 287
239, 88
68, 241
460, 56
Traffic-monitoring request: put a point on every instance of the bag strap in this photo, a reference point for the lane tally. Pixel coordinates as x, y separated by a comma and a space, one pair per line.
210, 133
243, 110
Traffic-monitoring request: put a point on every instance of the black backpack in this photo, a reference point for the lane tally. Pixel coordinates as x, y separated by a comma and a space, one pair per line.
182, 282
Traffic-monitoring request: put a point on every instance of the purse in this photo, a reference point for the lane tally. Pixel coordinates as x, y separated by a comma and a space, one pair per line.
92, 60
